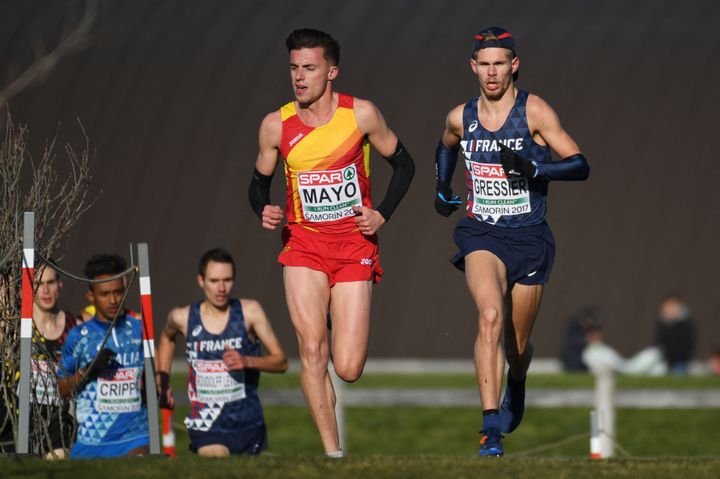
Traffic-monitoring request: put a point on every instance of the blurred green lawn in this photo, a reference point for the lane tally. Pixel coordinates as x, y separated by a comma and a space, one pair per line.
437, 442
457, 380
454, 430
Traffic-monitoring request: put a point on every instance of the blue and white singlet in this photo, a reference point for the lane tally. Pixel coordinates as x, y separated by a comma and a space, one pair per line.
492, 197
110, 410
220, 400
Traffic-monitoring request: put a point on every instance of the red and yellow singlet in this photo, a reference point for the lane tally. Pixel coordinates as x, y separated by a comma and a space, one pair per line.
327, 169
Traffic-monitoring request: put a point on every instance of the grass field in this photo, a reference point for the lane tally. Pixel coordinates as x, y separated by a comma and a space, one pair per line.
424, 442
362, 467
453, 431
291, 380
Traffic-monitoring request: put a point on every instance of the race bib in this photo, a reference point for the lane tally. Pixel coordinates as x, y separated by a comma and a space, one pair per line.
496, 195
44, 382
119, 393
214, 385
329, 195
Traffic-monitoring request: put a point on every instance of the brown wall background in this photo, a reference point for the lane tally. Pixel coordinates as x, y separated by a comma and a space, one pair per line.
171, 94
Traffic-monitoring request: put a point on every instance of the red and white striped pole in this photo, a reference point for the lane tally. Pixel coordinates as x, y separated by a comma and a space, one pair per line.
595, 452
149, 348
168, 435
26, 327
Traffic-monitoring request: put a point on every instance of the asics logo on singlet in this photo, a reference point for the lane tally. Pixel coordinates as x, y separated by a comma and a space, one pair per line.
197, 330
297, 138
473, 126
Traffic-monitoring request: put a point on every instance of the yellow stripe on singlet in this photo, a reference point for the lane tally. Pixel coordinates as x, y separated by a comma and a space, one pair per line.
322, 147
318, 149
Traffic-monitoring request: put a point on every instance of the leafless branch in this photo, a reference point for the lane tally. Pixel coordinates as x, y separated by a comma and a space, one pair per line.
58, 201
72, 41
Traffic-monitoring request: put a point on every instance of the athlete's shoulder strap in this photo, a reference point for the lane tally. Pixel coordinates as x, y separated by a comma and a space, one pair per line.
287, 110
237, 317
194, 316
70, 321
470, 112
522, 97
345, 100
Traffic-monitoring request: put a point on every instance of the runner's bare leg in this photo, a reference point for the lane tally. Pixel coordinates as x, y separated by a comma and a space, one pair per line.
486, 279
525, 305
307, 293
350, 311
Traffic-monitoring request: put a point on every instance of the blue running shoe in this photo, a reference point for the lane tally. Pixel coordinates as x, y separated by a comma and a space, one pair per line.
513, 404
491, 443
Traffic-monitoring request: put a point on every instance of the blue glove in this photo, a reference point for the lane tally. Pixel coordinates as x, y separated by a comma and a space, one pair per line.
445, 202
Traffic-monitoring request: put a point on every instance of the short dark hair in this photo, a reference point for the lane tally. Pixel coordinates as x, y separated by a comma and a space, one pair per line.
104, 264
310, 38
218, 255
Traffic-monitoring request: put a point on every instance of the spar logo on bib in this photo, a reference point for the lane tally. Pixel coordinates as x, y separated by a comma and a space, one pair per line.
496, 195
329, 195
215, 385
210, 367
119, 392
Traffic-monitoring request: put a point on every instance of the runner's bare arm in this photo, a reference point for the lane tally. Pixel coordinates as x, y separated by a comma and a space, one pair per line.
176, 324
453, 127
371, 122
546, 129
68, 385
257, 323
268, 156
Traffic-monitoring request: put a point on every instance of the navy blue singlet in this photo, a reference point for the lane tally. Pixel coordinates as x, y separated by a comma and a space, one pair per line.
492, 197
221, 401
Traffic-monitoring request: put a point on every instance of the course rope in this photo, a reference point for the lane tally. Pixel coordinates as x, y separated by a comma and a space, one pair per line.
80, 278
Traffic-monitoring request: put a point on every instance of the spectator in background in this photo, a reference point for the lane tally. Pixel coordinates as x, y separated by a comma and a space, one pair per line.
598, 356
714, 361
575, 338
675, 333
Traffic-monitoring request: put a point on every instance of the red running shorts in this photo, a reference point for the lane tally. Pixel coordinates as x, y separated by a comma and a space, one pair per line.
342, 257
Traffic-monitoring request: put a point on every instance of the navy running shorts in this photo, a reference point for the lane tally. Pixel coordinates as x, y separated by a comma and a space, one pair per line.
250, 441
527, 252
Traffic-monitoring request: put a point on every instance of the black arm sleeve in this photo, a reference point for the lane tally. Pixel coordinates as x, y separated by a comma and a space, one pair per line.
403, 172
259, 192
572, 168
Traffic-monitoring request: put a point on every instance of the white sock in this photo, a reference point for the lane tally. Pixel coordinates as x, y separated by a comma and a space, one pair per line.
336, 454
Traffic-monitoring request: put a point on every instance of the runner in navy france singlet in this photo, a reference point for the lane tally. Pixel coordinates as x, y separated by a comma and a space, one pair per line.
221, 401
492, 197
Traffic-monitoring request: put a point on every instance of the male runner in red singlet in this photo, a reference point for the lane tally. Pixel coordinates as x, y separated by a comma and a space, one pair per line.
330, 256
